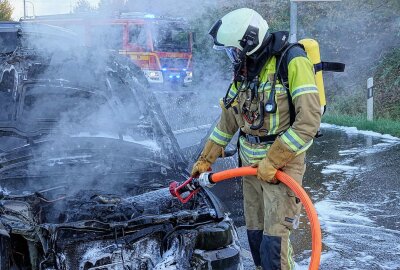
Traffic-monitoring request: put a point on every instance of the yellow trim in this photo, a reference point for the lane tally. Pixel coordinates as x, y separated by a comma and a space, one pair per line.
305, 147
220, 132
296, 137
218, 141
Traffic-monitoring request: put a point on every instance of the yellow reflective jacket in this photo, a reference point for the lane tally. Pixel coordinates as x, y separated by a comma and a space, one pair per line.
298, 137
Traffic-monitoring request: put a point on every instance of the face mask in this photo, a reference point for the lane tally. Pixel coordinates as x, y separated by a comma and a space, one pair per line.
232, 52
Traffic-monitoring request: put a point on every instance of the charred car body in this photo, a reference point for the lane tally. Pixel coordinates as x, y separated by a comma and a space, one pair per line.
86, 156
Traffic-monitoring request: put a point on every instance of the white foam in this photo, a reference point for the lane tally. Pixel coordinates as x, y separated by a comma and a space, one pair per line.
353, 239
354, 130
349, 151
336, 211
339, 168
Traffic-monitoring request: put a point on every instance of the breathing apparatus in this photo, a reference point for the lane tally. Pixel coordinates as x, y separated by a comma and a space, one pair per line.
243, 35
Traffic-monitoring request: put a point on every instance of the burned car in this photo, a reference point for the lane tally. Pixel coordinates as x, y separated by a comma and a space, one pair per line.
86, 157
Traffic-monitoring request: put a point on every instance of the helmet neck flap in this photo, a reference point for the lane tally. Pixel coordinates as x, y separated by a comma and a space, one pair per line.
273, 44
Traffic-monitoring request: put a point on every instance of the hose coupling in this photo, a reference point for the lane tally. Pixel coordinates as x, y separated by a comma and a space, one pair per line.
204, 180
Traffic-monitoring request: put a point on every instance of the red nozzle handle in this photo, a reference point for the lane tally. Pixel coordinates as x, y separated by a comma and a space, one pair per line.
177, 190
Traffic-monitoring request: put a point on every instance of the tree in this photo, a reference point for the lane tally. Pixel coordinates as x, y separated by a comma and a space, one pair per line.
6, 10
112, 6
83, 6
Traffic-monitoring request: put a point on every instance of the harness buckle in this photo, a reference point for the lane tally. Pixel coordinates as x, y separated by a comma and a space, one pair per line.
253, 139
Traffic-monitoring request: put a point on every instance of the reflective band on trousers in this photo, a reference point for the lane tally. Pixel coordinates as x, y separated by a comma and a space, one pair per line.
220, 137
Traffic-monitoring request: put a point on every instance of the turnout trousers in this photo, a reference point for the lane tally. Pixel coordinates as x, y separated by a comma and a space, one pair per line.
271, 212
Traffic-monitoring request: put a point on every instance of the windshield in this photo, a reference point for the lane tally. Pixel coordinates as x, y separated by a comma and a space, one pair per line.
171, 38
42, 102
75, 111
66, 109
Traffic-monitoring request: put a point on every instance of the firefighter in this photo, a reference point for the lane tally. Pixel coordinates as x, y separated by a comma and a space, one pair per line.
273, 102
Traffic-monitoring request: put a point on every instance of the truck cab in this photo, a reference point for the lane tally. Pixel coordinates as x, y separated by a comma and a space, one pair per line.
160, 46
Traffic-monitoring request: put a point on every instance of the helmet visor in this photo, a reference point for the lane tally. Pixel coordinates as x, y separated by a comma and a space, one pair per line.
233, 54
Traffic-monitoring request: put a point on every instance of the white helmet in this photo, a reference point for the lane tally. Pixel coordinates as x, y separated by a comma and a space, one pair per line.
242, 29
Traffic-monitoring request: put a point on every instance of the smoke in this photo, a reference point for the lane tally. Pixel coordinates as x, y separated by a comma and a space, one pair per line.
82, 110
92, 112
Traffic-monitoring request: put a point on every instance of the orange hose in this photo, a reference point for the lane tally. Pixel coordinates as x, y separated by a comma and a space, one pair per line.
300, 193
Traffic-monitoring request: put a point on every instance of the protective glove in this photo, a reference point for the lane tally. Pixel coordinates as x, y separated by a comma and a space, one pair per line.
277, 157
208, 156
266, 172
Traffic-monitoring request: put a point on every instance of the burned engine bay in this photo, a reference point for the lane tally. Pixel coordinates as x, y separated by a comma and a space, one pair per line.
95, 230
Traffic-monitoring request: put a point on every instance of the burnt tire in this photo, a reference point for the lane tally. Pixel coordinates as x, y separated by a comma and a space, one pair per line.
4, 253
214, 236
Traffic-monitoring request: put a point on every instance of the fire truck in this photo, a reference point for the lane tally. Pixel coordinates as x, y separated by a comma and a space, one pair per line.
160, 46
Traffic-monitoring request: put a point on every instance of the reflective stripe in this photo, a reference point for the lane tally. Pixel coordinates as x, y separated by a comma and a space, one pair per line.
296, 137
267, 87
305, 147
295, 142
242, 143
264, 85
223, 134
232, 93
304, 89
220, 137
244, 157
273, 122
252, 155
291, 139
290, 255
247, 159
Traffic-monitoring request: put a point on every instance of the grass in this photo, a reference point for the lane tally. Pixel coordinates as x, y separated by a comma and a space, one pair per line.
384, 126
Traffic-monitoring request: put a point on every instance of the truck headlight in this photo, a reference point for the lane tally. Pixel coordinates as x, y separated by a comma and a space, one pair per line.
153, 75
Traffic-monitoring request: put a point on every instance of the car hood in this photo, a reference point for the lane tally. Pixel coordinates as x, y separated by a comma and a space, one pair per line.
73, 161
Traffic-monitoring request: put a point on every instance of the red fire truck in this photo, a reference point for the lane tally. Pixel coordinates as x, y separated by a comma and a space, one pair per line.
160, 46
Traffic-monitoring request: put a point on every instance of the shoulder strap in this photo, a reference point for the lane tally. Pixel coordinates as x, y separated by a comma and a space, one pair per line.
282, 72
329, 66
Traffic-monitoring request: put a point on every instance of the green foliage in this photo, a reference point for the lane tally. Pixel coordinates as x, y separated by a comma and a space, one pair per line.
112, 6
83, 6
387, 85
381, 125
6, 10
351, 104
